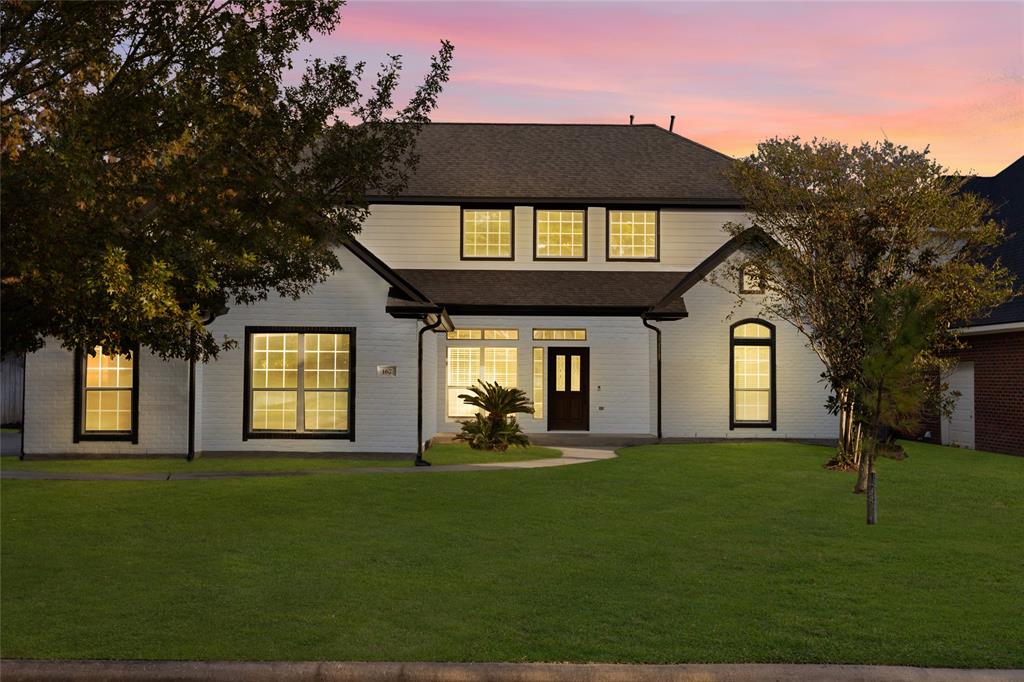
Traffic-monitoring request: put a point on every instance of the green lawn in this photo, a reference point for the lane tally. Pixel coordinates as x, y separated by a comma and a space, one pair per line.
697, 553
439, 454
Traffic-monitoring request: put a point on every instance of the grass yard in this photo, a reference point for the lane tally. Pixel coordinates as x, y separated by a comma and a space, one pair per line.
447, 453
697, 553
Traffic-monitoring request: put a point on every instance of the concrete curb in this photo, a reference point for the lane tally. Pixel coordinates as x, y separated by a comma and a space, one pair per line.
214, 671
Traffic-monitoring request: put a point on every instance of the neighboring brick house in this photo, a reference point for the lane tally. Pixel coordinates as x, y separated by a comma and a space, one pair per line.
989, 415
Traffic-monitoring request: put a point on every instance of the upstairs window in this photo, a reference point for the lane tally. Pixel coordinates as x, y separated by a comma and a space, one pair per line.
487, 234
106, 396
751, 280
752, 374
299, 383
560, 235
632, 235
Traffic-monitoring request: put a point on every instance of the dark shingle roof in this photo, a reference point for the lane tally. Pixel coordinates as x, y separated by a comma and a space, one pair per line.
541, 292
554, 162
1006, 192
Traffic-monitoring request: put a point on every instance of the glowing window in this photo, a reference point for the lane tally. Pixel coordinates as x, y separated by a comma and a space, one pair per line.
108, 392
487, 233
559, 334
751, 280
538, 383
301, 382
561, 234
753, 383
467, 365
486, 334
633, 235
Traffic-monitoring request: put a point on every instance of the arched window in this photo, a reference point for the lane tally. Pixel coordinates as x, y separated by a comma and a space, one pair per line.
752, 374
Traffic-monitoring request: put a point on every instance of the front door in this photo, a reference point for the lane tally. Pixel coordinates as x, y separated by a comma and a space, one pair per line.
568, 389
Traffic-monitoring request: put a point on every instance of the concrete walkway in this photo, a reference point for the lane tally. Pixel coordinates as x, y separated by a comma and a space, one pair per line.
569, 456
165, 671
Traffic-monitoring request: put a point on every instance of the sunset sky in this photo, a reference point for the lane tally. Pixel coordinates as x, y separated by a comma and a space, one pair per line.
947, 74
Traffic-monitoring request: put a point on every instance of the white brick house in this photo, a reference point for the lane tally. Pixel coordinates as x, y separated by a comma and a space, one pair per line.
546, 255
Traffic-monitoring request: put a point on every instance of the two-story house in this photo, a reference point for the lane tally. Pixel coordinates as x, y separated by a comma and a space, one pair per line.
572, 261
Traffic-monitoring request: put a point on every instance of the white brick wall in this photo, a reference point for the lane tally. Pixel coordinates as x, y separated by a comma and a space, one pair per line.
696, 374
619, 361
385, 406
355, 297
406, 236
49, 406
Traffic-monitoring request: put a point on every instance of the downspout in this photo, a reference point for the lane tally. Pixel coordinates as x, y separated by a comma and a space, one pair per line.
24, 380
657, 336
191, 455
420, 462
191, 399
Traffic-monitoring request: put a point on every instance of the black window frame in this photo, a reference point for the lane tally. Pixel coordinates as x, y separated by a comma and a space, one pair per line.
586, 234
247, 431
608, 234
487, 207
79, 433
772, 389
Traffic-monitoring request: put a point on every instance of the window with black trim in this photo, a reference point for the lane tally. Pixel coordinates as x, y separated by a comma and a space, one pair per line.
752, 374
487, 233
560, 234
751, 280
300, 382
632, 235
106, 396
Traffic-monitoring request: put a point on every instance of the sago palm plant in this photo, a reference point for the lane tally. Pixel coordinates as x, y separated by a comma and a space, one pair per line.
495, 427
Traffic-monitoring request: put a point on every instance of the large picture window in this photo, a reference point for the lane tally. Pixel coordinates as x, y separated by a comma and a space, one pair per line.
752, 374
632, 235
300, 383
487, 234
560, 234
468, 365
106, 396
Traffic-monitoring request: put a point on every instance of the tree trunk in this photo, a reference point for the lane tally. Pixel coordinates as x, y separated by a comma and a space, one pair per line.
862, 475
848, 456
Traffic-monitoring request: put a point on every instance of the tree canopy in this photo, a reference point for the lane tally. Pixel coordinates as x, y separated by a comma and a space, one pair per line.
851, 224
157, 167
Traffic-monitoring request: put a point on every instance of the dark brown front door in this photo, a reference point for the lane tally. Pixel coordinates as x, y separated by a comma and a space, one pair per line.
568, 389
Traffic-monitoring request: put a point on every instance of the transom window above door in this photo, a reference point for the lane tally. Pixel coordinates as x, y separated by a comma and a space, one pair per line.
487, 234
632, 235
560, 234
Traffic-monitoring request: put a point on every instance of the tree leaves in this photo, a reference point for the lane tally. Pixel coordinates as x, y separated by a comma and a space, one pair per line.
156, 167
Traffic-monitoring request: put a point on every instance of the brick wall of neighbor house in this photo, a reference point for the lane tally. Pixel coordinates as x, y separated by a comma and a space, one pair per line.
385, 406
409, 236
696, 373
998, 391
50, 399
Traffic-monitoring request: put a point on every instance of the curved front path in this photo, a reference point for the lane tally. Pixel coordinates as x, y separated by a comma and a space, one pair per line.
569, 456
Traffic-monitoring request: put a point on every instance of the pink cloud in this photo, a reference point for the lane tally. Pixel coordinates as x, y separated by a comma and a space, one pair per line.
946, 74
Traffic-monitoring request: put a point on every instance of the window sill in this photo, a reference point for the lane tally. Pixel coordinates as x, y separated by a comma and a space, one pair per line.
306, 435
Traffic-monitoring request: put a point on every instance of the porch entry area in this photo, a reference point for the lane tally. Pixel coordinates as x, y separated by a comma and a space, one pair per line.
568, 389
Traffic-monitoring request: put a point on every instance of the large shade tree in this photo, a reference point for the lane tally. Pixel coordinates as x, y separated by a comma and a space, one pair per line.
851, 224
163, 160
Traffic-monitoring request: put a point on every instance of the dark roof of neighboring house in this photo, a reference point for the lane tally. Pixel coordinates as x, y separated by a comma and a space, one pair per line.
613, 164
1006, 192
547, 292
